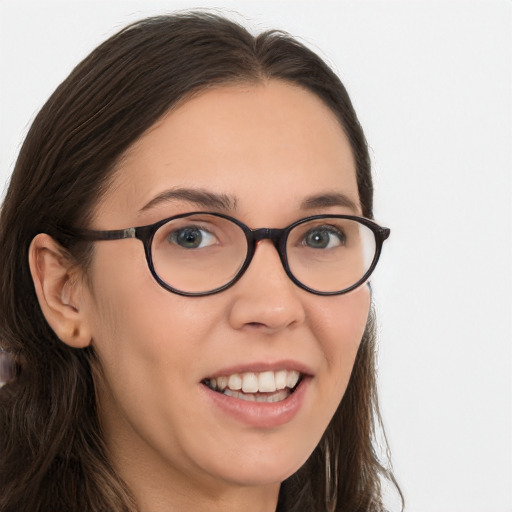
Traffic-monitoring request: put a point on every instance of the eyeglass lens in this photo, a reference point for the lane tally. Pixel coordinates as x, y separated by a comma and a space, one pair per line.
202, 252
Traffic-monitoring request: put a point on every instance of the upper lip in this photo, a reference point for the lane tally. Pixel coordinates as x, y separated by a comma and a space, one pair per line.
258, 367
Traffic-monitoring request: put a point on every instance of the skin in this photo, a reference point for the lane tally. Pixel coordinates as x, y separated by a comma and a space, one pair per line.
270, 146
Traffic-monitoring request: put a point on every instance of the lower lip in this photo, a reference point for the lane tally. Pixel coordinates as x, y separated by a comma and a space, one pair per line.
260, 414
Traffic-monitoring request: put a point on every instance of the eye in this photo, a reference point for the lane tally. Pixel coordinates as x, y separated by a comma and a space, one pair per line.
324, 237
192, 237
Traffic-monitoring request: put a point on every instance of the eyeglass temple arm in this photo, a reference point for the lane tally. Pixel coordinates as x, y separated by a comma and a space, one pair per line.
114, 234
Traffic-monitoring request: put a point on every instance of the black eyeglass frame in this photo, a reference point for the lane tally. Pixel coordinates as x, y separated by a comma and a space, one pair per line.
278, 236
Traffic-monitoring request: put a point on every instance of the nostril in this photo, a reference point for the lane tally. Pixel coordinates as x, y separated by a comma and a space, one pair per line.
256, 325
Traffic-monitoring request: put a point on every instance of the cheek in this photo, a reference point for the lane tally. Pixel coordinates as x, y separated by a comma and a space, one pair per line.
124, 309
146, 338
340, 323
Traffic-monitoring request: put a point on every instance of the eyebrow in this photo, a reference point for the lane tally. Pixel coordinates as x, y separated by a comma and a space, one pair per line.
207, 199
327, 200
199, 197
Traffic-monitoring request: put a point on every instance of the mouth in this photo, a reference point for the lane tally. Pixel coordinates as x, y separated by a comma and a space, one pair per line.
266, 386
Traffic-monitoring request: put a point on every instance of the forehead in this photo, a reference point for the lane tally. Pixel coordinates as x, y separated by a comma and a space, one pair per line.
263, 144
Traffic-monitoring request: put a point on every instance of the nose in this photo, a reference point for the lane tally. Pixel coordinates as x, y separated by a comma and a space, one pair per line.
265, 298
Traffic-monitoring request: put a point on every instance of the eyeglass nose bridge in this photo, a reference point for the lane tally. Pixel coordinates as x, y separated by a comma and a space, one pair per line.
278, 238
273, 234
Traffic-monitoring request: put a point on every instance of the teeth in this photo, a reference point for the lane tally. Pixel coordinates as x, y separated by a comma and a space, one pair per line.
280, 379
266, 382
251, 397
292, 378
222, 382
251, 382
235, 382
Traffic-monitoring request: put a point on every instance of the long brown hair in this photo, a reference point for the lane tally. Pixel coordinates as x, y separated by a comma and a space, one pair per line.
52, 453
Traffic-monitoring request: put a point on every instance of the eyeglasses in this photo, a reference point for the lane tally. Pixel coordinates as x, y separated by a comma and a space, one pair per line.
202, 253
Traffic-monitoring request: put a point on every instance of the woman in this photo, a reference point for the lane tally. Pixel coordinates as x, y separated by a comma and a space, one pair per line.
186, 251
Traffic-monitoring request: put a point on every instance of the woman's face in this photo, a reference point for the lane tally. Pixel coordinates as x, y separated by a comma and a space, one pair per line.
271, 154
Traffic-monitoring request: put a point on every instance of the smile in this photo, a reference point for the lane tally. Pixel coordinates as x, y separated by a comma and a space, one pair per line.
267, 386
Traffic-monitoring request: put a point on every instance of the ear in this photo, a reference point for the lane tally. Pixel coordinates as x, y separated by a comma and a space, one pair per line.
59, 288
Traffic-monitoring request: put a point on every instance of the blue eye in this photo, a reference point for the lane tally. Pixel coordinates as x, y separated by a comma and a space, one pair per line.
191, 237
324, 237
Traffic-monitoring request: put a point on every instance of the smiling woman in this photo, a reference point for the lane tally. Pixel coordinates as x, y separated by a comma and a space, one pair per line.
192, 322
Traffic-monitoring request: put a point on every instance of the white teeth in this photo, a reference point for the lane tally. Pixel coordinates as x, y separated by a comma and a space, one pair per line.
280, 379
222, 382
266, 382
249, 382
250, 397
278, 395
292, 378
238, 394
235, 382
252, 382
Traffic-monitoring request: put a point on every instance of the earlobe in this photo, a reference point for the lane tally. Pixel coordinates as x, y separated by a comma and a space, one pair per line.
59, 290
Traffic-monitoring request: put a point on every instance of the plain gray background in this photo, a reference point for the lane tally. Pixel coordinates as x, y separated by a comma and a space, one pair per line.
432, 84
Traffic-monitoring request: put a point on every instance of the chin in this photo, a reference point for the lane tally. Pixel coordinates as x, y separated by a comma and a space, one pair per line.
264, 469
